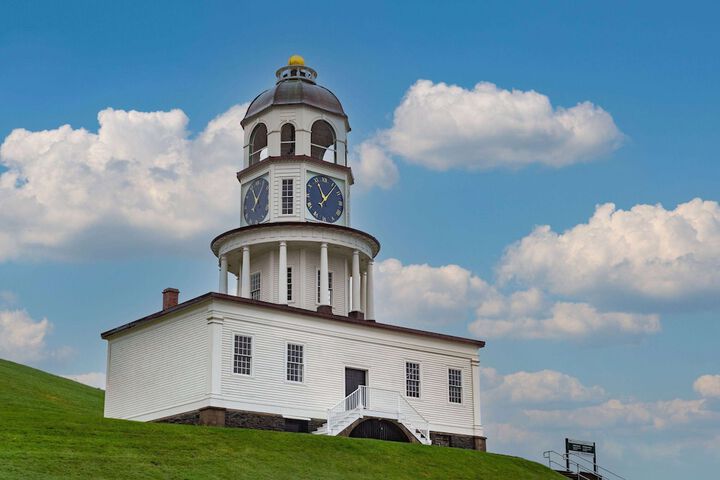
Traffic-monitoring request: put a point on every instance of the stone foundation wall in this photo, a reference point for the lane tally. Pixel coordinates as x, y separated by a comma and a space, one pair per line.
214, 416
459, 441
220, 417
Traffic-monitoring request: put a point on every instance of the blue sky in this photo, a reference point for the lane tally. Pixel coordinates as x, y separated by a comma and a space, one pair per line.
652, 67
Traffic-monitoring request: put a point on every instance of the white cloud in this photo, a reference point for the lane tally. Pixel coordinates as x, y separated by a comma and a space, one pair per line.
645, 254
708, 386
374, 168
422, 294
527, 314
140, 182
443, 126
93, 379
614, 413
543, 386
21, 338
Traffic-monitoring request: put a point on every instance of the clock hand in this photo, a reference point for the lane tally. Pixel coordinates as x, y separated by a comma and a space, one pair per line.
325, 197
321, 193
255, 197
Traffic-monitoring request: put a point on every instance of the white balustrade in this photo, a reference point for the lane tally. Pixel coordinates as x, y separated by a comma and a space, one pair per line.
377, 402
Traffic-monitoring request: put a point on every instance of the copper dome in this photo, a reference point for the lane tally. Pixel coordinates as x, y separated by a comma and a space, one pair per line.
295, 86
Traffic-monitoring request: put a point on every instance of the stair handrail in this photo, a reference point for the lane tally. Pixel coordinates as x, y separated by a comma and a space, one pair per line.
424, 425
356, 401
579, 469
618, 477
350, 403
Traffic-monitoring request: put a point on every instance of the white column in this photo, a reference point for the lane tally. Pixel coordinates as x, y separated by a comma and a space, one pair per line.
245, 280
324, 287
477, 419
356, 281
239, 281
370, 293
363, 293
223, 275
282, 274
215, 324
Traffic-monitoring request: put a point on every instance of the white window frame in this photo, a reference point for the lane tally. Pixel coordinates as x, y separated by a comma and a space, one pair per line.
461, 386
304, 363
419, 379
283, 197
289, 280
259, 289
330, 286
252, 354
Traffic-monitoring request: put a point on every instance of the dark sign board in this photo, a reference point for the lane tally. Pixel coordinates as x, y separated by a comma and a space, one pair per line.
580, 446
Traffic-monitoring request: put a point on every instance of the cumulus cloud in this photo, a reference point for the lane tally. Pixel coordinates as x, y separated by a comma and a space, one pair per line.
93, 379
373, 168
22, 339
645, 254
450, 294
141, 181
422, 294
443, 126
614, 412
565, 320
708, 386
543, 386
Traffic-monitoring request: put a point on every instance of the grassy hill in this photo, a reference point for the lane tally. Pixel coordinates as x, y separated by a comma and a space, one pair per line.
51, 427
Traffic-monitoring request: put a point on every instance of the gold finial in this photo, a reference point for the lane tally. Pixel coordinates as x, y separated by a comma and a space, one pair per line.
296, 60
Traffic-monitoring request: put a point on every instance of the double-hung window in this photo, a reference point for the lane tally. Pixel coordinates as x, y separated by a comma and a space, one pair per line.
295, 362
242, 362
289, 284
255, 286
330, 286
287, 196
455, 385
412, 379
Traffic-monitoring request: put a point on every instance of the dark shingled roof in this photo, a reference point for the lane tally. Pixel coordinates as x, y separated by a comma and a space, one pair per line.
293, 92
295, 310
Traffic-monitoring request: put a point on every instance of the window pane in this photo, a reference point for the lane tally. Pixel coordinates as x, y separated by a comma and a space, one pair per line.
255, 286
455, 385
242, 363
295, 362
287, 196
289, 284
412, 379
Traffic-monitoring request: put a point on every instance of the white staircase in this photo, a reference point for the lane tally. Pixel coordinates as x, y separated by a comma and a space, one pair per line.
378, 403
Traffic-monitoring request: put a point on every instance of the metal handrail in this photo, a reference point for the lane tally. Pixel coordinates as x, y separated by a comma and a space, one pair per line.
575, 455
568, 461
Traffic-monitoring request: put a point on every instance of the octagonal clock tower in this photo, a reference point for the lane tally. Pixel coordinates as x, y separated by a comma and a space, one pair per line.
295, 245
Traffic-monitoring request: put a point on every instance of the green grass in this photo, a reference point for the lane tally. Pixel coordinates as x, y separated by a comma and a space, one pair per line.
52, 428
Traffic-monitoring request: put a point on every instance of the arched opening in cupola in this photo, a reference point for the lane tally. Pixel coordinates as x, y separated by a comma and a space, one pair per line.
323, 144
258, 144
287, 139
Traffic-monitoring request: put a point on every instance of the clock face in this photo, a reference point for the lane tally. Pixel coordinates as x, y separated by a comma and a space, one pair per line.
324, 199
255, 205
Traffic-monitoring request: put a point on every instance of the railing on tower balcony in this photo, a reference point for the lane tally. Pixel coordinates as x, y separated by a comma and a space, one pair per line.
380, 403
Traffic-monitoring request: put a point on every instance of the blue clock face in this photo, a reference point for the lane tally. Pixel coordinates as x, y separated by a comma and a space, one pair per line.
324, 199
255, 205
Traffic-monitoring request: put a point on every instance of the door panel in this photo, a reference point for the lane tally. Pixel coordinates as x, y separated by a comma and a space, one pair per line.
353, 379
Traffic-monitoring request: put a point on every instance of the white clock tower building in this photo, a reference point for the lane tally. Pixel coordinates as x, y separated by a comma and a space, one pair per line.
295, 245
296, 346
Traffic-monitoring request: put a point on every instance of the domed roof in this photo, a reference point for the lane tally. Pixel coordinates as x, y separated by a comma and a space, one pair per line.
296, 85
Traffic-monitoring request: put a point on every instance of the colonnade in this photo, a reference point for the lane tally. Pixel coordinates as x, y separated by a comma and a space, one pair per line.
362, 297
